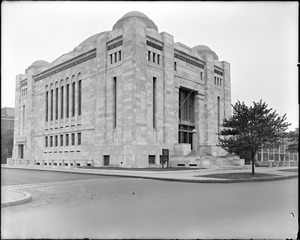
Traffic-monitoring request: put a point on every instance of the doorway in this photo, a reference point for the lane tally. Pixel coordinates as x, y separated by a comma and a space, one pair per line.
21, 151
186, 116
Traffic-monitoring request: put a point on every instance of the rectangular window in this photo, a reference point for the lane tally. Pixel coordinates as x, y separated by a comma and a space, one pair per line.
79, 97
51, 141
56, 140
149, 56
56, 103
106, 160
154, 102
271, 154
215, 81
51, 105
73, 99
79, 138
201, 75
218, 114
151, 159
47, 93
153, 58
61, 140
259, 156
24, 117
46, 141
115, 101
73, 139
111, 58
120, 56
68, 100
62, 103
158, 58
175, 66
116, 58
67, 139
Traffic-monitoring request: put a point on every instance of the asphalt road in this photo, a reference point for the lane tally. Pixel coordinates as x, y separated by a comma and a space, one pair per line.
23, 176
139, 208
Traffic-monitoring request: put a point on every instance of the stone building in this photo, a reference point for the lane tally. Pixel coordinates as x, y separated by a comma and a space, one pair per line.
7, 118
119, 98
7, 128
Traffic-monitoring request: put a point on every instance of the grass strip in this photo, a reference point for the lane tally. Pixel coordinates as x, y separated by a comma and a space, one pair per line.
142, 169
241, 175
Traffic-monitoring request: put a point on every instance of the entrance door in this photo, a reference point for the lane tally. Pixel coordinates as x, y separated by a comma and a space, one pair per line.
186, 116
21, 151
185, 134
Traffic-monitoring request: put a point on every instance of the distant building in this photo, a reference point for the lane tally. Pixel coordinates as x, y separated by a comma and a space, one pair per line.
119, 98
7, 118
279, 157
7, 123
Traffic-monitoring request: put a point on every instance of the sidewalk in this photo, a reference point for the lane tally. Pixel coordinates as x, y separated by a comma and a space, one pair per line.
193, 176
10, 197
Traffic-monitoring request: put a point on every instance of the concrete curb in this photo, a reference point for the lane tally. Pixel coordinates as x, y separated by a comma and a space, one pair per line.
228, 181
27, 198
215, 180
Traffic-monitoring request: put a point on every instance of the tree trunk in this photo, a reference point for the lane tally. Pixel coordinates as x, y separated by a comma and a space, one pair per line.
253, 165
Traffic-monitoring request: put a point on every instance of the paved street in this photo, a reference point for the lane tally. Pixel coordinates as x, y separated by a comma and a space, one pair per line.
111, 207
21, 176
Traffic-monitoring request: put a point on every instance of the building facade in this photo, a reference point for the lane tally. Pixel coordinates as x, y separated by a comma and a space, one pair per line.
119, 98
7, 128
7, 118
278, 157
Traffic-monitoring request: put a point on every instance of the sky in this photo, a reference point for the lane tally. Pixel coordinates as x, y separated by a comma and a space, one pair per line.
258, 39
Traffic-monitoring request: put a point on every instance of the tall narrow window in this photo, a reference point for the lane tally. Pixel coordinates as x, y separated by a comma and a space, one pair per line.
175, 66
56, 140
73, 139
68, 93
116, 58
67, 139
215, 81
73, 99
153, 57
106, 160
154, 102
158, 58
46, 141
221, 82
51, 105
111, 58
56, 103
24, 117
79, 138
218, 115
62, 103
149, 56
61, 140
115, 100
79, 97
51, 141
47, 93
201, 75
120, 56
